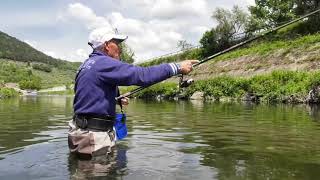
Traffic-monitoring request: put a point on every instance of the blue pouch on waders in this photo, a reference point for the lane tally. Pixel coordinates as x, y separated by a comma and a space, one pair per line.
120, 126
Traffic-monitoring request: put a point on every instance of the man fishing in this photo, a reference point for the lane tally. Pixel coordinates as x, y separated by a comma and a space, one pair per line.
92, 129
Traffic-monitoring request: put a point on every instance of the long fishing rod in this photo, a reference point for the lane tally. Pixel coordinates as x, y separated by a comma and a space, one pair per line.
227, 50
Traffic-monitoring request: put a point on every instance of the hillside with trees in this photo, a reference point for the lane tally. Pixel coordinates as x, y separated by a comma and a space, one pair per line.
31, 69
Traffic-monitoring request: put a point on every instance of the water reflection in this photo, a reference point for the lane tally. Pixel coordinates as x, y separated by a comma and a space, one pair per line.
112, 166
167, 140
314, 111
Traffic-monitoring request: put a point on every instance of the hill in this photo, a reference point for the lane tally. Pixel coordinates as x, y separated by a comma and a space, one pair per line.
21, 62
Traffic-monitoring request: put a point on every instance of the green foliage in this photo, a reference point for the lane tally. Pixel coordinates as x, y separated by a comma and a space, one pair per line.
220, 86
271, 13
32, 83
269, 46
67, 92
42, 67
8, 92
224, 35
126, 53
17, 58
12, 72
14, 49
272, 87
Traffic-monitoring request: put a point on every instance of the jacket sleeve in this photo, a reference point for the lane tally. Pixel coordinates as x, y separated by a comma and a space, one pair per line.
122, 74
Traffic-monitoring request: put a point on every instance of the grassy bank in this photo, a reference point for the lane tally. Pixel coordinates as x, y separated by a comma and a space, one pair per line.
66, 92
16, 71
278, 86
262, 48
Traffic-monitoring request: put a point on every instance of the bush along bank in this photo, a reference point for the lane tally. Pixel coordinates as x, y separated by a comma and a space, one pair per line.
7, 93
276, 87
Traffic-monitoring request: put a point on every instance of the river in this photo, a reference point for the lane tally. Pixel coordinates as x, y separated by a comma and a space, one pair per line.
167, 140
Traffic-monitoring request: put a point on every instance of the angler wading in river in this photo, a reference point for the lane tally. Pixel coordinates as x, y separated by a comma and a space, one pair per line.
96, 126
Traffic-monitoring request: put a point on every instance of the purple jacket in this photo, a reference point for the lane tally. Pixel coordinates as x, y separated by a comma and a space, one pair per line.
100, 75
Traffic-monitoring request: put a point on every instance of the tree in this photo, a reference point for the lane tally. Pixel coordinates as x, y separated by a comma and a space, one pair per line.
271, 13
231, 27
183, 45
127, 53
32, 83
209, 43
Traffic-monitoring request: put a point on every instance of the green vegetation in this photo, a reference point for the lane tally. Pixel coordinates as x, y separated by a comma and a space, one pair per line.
14, 49
28, 77
8, 92
67, 92
266, 47
42, 67
33, 83
126, 53
20, 63
260, 48
273, 87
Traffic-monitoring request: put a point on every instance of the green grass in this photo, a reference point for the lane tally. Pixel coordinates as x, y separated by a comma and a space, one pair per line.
272, 87
261, 48
67, 92
14, 71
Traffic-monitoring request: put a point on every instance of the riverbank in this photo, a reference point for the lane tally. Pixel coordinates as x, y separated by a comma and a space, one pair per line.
276, 87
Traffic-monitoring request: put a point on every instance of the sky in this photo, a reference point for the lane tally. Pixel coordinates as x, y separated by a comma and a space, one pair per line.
60, 28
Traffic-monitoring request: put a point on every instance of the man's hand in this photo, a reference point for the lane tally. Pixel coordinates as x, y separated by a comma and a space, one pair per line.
186, 66
125, 101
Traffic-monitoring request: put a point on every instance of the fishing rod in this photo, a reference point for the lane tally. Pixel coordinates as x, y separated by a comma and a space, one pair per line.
188, 82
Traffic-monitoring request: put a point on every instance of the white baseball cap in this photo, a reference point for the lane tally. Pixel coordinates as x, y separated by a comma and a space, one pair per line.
101, 35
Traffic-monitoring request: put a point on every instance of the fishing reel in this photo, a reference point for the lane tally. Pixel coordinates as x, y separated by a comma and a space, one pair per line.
185, 83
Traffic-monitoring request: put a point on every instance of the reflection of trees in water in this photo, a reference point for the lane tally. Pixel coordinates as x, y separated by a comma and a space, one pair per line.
314, 111
23, 120
112, 166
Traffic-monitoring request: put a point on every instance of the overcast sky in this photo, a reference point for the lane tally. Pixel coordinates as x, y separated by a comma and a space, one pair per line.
60, 28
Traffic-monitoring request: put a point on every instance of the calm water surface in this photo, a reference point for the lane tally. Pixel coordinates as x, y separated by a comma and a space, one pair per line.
167, 140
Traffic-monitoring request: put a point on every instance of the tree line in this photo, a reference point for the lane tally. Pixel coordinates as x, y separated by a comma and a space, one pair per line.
237, 24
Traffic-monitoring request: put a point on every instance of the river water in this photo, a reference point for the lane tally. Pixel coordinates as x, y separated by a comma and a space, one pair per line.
167, 140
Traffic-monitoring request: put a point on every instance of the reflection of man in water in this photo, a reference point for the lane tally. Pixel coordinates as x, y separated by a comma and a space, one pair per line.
91, 130
114, 165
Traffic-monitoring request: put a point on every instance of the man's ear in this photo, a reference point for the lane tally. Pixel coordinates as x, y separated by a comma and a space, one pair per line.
106, 47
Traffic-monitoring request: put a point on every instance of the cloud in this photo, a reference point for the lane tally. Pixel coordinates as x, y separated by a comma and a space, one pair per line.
178, 8
86, 15
154, 27
81, 53
144, 36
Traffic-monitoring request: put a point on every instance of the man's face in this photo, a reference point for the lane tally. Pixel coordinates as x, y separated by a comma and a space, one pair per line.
113, 49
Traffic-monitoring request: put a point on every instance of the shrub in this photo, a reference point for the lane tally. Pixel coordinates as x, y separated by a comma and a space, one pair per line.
8, 92
42, 67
